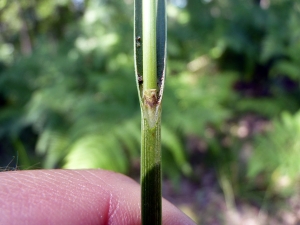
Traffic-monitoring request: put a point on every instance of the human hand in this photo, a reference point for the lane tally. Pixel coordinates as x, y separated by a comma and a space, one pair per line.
63, 197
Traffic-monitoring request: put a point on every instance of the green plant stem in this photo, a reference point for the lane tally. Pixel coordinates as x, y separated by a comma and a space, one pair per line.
150, 79
151, 168
149, 44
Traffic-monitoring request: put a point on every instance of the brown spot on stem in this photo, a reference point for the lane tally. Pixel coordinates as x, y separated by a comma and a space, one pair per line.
150, 97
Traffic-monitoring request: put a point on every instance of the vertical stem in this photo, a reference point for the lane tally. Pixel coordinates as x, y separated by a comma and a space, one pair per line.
150, 94
151, 170
149, 44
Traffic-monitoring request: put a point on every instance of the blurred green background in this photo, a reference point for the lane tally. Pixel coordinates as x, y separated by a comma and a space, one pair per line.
231, 119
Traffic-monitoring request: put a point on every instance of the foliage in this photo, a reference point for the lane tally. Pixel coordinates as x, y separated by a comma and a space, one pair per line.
276, 155
58, 91
78, 96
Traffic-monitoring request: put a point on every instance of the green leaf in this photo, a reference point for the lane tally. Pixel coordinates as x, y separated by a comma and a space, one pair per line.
138, 50
161, 44
161, 38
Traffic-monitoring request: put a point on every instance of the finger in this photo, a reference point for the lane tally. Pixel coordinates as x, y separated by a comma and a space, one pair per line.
75, 197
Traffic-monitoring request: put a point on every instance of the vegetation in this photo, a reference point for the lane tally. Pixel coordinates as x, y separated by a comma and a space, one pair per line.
231, 104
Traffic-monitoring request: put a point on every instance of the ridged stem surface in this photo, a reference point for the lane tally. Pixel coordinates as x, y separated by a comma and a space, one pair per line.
151, 171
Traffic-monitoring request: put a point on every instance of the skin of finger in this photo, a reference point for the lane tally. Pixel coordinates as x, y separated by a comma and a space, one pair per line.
75, 197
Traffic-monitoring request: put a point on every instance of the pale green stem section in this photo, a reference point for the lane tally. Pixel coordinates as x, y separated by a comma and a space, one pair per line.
151, 171
149, 44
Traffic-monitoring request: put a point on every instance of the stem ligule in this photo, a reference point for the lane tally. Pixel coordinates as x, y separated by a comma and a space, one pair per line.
150, 106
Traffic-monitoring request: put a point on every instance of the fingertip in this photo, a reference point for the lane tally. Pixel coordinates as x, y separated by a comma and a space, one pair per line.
75, 197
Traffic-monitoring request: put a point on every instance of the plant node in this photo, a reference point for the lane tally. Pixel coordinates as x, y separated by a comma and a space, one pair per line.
150, 106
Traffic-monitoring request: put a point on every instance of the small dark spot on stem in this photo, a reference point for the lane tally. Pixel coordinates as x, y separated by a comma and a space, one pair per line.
140, 79
138, 41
